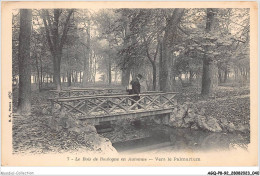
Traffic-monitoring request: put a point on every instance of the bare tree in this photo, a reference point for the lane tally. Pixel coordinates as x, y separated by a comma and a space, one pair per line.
166, 52
87, 55
207, 64
56, 38
24, 99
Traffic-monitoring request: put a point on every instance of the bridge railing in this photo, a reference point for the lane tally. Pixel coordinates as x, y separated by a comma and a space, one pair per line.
101, 105
77, 92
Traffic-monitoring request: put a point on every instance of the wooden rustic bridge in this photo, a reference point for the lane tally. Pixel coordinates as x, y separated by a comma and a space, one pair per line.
100, 108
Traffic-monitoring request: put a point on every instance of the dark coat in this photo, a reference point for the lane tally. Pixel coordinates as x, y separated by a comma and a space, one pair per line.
136, 87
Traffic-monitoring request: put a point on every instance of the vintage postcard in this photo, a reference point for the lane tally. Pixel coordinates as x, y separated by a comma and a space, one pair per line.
129, 84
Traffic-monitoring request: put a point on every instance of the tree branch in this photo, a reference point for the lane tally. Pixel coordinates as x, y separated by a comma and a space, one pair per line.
49, 20
56, 29
187, 34
65, 29
239, 40
156, 52
47, 33
147, 50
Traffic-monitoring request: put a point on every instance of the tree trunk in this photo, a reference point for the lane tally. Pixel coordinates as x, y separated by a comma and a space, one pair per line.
220, 76
73, 76
209, 77
38, 74
80, 77
125, 77
86, 71
206, 81
161, 72
225, 75
247, 74
191, 77
93, 68
76, 76
152, 61
154, 76
166, 71
41, 74
206, 76
179, 78
115, 76
133, 72
186, 76
24, 98
34, 79
69, 78
55, 39
164, 67
56, 71
47, 78
109, 72
213, 76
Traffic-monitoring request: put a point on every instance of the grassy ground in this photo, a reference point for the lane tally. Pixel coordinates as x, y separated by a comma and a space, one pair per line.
232, 103
31, 134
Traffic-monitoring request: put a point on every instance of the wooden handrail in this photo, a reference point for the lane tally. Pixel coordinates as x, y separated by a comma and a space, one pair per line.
84, 96
108, 96
85, 89
94, 88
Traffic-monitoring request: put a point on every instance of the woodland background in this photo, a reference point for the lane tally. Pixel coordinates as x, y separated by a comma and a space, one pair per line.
203, 54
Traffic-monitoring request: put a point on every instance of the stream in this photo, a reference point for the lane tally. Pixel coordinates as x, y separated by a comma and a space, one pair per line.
161, 139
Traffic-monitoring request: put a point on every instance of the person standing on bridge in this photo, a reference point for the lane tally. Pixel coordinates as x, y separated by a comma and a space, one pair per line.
136, 89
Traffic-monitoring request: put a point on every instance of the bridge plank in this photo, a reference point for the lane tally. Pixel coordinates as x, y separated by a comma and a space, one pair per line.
130, 114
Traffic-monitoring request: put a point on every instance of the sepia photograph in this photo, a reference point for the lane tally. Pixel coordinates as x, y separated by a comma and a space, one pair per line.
129, 85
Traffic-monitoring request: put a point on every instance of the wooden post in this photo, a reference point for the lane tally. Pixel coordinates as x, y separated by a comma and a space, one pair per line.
86, 106
52, 106
80, 77
127, 104
144, 101
61, 107
160, 99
